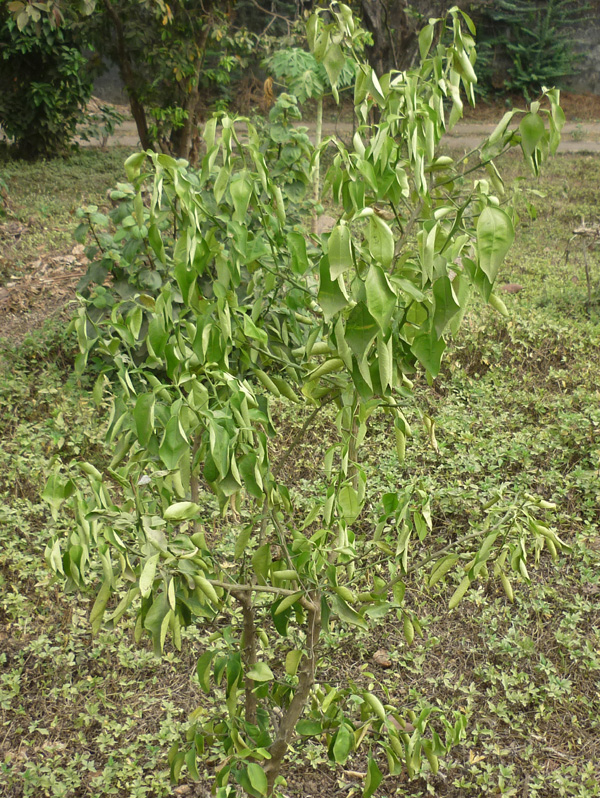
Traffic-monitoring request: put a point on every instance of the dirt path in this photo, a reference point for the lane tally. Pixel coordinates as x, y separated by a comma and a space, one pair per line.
576, 136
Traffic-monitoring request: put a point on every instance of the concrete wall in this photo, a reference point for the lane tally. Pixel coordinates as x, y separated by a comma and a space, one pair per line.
587, 45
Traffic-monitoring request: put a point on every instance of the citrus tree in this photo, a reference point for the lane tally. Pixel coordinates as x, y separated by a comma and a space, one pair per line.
222, 305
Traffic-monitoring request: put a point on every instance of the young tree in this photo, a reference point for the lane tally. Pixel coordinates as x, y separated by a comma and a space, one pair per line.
246, 310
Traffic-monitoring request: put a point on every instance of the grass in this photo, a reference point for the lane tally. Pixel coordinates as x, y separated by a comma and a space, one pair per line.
517, 408
42, 199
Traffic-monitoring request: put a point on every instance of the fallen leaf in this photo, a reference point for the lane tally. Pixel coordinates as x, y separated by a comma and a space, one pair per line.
382, 658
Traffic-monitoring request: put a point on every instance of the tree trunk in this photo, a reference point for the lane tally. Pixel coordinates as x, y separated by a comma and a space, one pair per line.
395, 26
128, 77
306, 681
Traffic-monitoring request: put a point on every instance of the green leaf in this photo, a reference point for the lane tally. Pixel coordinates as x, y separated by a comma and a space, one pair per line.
190, 761
333, 62
221, 183
133, 165
495, 235
309, 728
260, 672
203, 670
288, 601
240, 189
261, 561
361, 328
297, 247
332, 295
446, 304
257, 777
157, 621
181, 511
344, 743
428, 350
292, 660
143, 415
148, 574
339, 251
173, 445
349, 503
346, 613
425, 40
381, 241
532, 130
97, 612
459, 592
374, 775
241, 542
381, 299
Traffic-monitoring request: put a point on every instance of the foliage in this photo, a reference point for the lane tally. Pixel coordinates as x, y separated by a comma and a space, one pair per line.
530, 42
247, 310
174, 59
44, 81
303, 75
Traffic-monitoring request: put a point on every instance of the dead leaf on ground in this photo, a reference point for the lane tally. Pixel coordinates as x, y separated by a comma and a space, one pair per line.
382, 658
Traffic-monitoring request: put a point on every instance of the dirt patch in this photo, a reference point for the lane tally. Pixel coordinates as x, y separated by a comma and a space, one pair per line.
43, 291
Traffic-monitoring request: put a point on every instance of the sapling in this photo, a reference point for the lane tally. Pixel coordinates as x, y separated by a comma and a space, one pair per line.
248, 311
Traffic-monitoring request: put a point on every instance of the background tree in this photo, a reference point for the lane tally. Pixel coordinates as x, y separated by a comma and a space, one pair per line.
45, 81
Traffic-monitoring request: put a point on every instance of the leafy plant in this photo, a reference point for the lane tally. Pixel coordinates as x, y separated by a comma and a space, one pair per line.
44, 80
532, 41
250, 311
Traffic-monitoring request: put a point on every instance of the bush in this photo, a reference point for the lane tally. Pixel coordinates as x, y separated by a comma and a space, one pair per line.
44, 85
524, 46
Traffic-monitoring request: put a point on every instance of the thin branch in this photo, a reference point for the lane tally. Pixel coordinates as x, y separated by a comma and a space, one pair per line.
233, 588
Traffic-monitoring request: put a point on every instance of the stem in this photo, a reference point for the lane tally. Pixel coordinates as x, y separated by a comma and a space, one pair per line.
234, 589
195, 482
353, 448
292, 714
316, 174
249, 655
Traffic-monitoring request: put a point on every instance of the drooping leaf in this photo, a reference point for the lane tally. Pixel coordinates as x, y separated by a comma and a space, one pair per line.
261, 672
381, 299
495, 235
428, 350
361, 328
346, 613
381, 241
374, 775
332, 295
181, 511
339, 251
173, 445
446, 304
532, 130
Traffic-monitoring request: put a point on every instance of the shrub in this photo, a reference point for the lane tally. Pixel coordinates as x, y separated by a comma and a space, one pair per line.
44, 83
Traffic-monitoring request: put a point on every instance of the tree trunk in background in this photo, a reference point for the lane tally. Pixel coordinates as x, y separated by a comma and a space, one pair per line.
128, 78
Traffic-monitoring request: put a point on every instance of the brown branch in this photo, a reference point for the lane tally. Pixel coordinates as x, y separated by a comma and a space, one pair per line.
293, 712
249, 655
